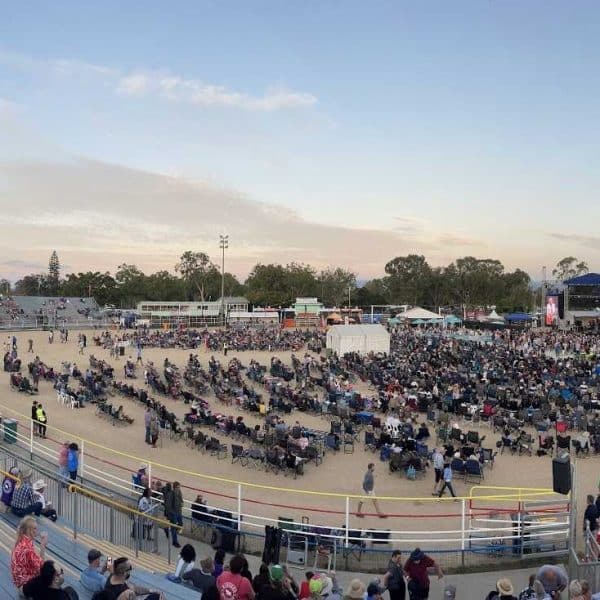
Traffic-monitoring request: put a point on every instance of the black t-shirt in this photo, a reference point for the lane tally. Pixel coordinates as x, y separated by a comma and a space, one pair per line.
272, 592
36, 591
591, 515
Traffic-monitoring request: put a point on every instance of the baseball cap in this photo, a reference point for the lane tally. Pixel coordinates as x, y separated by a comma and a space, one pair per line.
93, 554
276, 572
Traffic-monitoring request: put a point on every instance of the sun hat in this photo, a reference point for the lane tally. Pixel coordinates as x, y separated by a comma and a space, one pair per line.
40, 484
417, 554
505, 587
143, 467
355, 590
276, 572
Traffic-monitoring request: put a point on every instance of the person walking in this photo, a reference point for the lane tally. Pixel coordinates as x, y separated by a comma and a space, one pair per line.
176, 512
438, 466
447, 478
368, 487
417, 569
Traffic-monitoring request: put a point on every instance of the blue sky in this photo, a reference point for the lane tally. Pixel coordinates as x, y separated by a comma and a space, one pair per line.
361, 130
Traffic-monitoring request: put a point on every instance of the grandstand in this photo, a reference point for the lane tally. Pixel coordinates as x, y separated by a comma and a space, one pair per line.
40, 311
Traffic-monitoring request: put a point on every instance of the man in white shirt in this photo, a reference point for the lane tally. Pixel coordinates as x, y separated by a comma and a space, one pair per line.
438, 465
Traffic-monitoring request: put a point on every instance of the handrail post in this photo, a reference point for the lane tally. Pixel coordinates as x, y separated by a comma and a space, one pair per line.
75, 512
150, 475
82, 460
347, 522
239, 508
31, 439
462, 530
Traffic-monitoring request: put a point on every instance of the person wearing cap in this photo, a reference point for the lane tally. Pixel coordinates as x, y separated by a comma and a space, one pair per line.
39, 489
93, 577
374, 591
23, 501
201, 578
355, 590
278, 588
417, 569
393, 579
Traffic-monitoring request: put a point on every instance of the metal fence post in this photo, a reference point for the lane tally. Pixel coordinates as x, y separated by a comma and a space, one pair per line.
462, 531
239, 508
75, 513
111, 525
82, 460
31, 439
347, 521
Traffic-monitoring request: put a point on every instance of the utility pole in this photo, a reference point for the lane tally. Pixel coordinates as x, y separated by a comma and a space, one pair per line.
223, 244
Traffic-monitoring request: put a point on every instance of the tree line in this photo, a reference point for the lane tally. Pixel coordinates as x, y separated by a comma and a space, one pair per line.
466, 282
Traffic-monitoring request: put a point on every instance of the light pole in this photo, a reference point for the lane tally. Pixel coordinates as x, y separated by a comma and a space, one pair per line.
223, 244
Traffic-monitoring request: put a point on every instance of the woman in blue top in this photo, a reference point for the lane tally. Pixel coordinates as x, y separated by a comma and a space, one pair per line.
73, 461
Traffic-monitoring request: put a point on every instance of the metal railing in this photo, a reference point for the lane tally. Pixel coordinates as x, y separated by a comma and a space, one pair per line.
83, 510
490, 524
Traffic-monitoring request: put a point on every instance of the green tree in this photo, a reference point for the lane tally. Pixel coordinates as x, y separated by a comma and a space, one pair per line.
408, 276
53, 274
131, 285
101, 286
334, 284
199, 274
5, 287
162, 285
35, 284
267, 285
569, 267
372, 292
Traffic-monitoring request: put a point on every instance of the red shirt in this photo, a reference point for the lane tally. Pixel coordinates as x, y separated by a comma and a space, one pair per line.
304, 590
25, 564
418, 570
234, 587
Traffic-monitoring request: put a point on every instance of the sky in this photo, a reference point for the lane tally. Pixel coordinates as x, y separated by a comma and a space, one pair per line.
330, 132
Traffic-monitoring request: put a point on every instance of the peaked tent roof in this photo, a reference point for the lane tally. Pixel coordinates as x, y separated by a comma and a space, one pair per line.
418, 313
587, 279
494, 316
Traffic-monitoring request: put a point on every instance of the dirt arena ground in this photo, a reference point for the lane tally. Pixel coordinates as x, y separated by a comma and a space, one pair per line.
340, 473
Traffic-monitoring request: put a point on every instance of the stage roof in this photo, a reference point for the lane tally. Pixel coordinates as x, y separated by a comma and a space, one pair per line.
587, 279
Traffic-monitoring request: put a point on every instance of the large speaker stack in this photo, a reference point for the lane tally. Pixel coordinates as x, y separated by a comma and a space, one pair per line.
561, 474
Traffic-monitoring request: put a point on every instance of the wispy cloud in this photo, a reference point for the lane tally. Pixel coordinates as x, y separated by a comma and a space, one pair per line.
589, 241
193, 91
162, 84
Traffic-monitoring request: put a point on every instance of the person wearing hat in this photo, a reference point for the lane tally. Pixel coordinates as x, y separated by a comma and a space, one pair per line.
373, 591
278, 588
201, 578
39, 488
417, 568
93, 577
504, 590
23, 501
355, 590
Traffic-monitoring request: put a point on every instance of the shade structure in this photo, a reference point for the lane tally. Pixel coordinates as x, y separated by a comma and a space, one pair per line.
418, 322
417, 313
363, 339
494, 316
452, 320
518, 317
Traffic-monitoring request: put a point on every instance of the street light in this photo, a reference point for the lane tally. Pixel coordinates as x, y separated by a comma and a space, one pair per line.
223, 244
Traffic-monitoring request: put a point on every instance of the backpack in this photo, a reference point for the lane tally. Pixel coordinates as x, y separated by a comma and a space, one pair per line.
411, 473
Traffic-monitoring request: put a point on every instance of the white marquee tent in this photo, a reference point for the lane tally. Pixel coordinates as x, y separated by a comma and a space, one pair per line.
358, 338
418, 313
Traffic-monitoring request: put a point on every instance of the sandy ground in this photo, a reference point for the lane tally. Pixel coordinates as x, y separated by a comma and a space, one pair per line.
339, 474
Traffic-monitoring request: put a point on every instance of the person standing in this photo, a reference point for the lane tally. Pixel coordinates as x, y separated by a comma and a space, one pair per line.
42, 420
175, 511
368, 487
154, 430
447, 477
147, 421
590, 517
25, 564
30, 345
393, 580
63, 459
73, 461
36, 427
